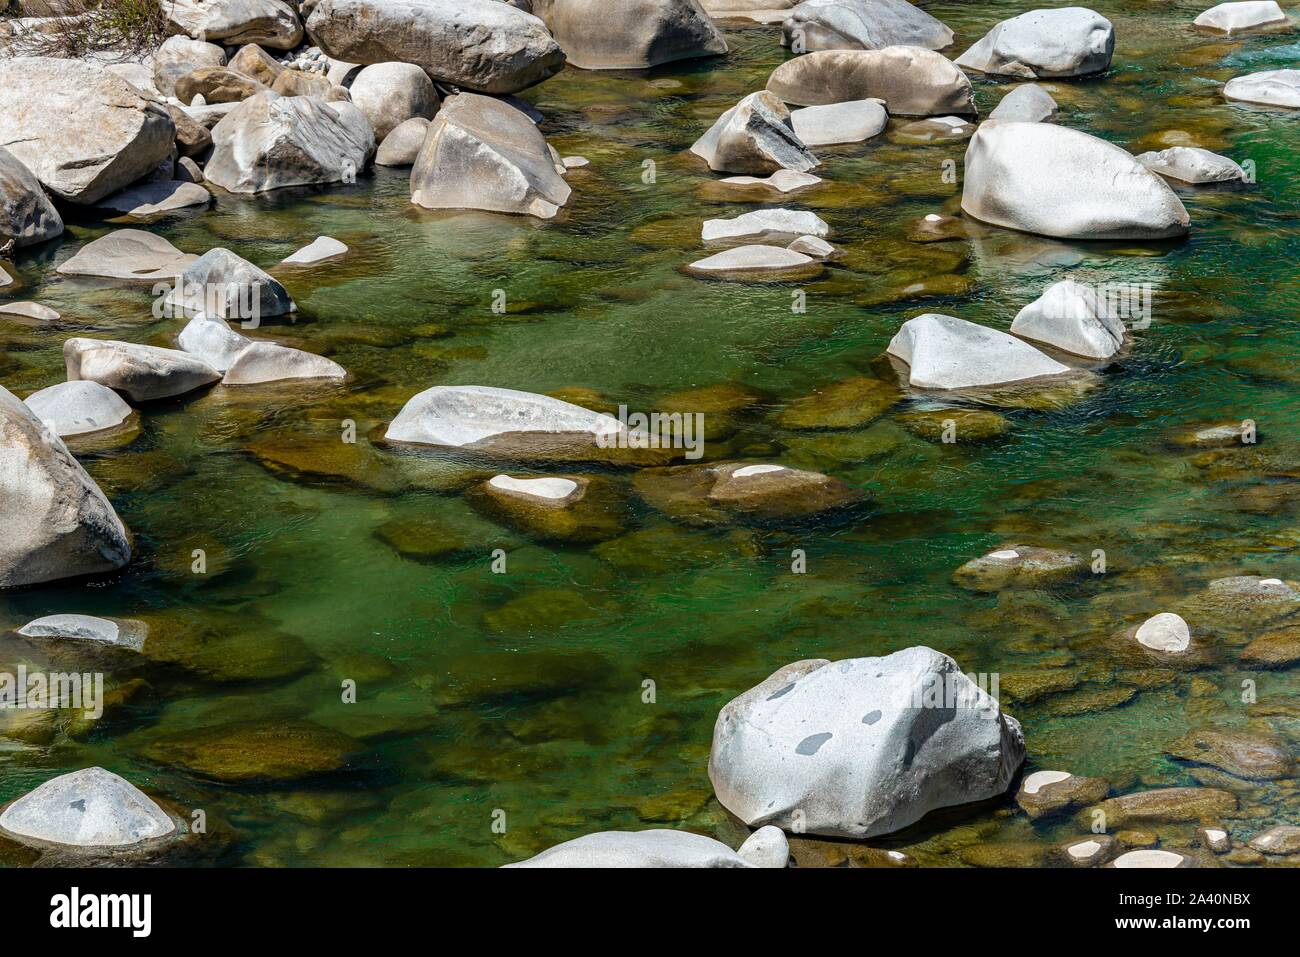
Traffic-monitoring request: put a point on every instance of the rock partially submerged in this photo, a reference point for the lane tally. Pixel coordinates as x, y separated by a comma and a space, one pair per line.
563, 508
1019, 566
634, 34
757, 261
1270, 88
78, 408
88, 809
108, 632
1190, 164
213, 341
481, 153
319, 249
752, 492
263, 362
58, 524
911, 81
131, 254
861, 747
1049, 792
1072, 317
755, 136
1067, 41
944, 352
222, 284
663, 848
1162, 806
850, 122
480, 45
1027, 103
154, 197
141, 372
765, 225
861, 25
1241, 17
1054, 181
1242, 752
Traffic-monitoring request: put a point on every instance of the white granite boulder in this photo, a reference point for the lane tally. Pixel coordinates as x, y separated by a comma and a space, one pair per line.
764, 226
87, 809
318, 250
402, 145
264, 362
755, 136
1066, 41
27, 216
83, 131
1239, 17
268, 23
129, 254
1027, 103
1055, 181
484, 46
661, 848
481, 153
782, 181
117, 633
632, 34
1072, 317
154, 197
861, 747
861, 25
1270, 88
849, 122
943, 352
912, 81
1191, 164
78, 408
220, 283
140, 372
392, 93
57, 522
213, 341
270, 141
757, 260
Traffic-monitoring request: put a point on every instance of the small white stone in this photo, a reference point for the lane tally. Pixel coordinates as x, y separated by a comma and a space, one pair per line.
576, 162
1215, 834
199, 100
322, 247
1040, 779
553, 489
812, 246
1083, 850
898, 855
1004, 554
1149, 858
1271, 581
749, 470
932, 217
1165, 632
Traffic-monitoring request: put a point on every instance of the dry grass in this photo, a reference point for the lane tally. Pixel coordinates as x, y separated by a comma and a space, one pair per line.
127, 27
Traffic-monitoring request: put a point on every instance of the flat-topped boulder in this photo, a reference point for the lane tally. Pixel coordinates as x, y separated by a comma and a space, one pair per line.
757, 261
754, 492
128, 254
389, 94
1054, 181
58, 524
1241, 17
557, 507
861, 25
912, 81
263, 362
81, 130
482, 153
944, 352
849, 122
861, 747
755, 136
27, 216
109, 632
1242, 752
140, 372
402, 145
1072, 317
88, 809
765, 225
155, 197
1019, 566
1027, 103
1048, 792
634, 34
270, 141
662, 848
1152, 857
1269, 88
1066, 41
484, 46
1191, 164
267, 23
222, 284
78, 408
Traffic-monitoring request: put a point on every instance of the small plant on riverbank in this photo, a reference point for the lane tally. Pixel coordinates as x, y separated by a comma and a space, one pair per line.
124, 27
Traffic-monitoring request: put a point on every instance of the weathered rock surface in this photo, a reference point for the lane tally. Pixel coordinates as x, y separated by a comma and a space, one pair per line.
141, 372
1019, 566
1072, 317
634, 34
131, 254
755, 136
1240, 17
1163, 806
1067, 41
765, 225
154, 197
216, 84
180, 55
252, 61
911, 81
861, 25
265, 362
1269, 88
389, 94
268, 23
481, 153
1190, 164
27, 216
861, 747
91, 808
1049, 792
78, 408
1027, 103
1244, 753
1283, 839
944, 352
224, 285
402, 145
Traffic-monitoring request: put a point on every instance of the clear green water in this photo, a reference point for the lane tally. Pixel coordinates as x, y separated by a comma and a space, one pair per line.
523, 692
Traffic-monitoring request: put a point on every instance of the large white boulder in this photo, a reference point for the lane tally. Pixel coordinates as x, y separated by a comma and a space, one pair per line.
223, 284
134, 255
1067, 41
474, 415
632, 34
480, 45
270, 141
912, 81
1270, 88
1027, 103
1073, 317
391, 93
57, 523
662, 848
180, 56
861, 747
861, 25
1055, 181
944, 352
850, 122
1230, 18
264, 362
91, 808
765, 226
268, 23
755, 136
141, 372
78, 408
482, 153
26, 214
83, 131
1191, 164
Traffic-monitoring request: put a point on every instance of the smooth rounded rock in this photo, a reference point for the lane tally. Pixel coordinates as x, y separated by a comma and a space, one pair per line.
102, 631
1066, 41
632, 34
319, 249
1269, 88
765, 226
637, 849
849, 122
402, 145
264, 362
911, 81
1027, 103
91, 808
78, 408
1190, 164
861, 25
1074, 318
756, 260
1165, 632
392, 93
212, 340
27, 216
944, 352
141, 372
1240, 17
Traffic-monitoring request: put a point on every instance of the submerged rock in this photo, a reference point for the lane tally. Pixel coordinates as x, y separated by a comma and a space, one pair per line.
1274, 649
783, 181
1150, 857
1087, 851
911, 81
27, 216
480, 45
1049, 792
88, 809
953, 426
943, 352
1048, 179
112, 632
1270, 88
481, 153
1019, 566
1190, 164
817, 746
661, 848
765, 226
755, 136
58, 524
709, 494
564, 508
131, 254
318, 250
632, 35
850, 122
78, 408
1283, 839
1254, 755
238, 752
423, 540
141, 372
1027, 103
1074, 318
1068, 41
861, 25
1163, 806
757, 261
847, 404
